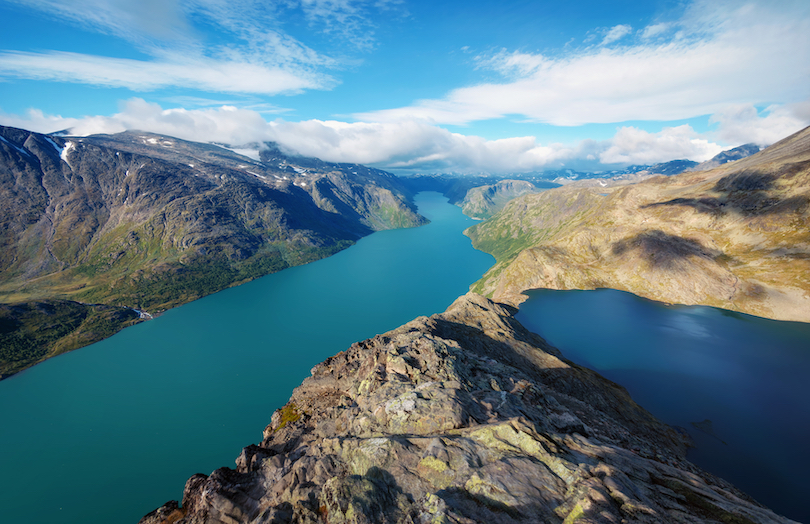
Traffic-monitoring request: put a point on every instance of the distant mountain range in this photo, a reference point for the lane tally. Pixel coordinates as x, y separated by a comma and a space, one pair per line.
147, 222
453, 183
484, 194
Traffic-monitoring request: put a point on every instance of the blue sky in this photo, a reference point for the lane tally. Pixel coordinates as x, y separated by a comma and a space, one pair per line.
417, 85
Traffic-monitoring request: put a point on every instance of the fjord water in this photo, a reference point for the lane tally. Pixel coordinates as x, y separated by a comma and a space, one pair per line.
110, 432
747, 376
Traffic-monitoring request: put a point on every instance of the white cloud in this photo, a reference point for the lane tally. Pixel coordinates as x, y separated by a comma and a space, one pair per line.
616, 33
654, 30
742, 123
253, 53
36, 120
635, 146
402, 145
134, 21
224, 76
720, 53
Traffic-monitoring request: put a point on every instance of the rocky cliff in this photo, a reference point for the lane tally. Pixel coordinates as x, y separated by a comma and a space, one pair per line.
735, 237
150, 222
463, 417
485, 201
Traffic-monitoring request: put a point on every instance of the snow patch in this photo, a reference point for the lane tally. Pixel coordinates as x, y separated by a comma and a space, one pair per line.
15, 147
299, 170
58, 149
64, 153
256, 174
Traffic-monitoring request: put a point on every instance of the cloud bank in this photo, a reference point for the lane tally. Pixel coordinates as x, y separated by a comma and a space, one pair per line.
414, 145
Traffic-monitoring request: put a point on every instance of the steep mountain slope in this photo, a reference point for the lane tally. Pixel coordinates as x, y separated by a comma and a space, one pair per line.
735, 237
150, 222
485, 201
463, 417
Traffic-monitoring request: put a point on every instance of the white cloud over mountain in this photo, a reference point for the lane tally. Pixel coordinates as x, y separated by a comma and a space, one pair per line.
415, 145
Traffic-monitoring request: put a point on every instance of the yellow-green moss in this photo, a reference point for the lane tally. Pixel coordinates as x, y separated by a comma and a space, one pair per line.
288, 413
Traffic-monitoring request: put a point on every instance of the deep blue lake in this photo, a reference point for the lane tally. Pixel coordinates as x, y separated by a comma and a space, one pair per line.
748, 376
107, 433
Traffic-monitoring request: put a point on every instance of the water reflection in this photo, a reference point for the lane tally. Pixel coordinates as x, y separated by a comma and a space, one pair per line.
745, 375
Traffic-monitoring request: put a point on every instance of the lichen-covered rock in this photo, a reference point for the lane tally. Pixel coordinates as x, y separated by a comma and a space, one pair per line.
463, 417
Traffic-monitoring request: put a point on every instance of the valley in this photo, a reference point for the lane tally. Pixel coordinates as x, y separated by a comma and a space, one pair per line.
137, 220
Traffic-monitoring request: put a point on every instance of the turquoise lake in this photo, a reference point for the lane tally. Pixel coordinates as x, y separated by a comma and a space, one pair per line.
747, 375
109, 432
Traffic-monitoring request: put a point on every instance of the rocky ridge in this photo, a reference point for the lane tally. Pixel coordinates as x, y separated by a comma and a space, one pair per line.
735, 237
463, 417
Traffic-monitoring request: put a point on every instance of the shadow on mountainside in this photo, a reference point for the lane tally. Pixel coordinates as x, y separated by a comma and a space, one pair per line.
662, 250
749, 193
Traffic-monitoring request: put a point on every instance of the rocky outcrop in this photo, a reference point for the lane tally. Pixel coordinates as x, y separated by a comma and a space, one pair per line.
734, 237
484, 201
463, 417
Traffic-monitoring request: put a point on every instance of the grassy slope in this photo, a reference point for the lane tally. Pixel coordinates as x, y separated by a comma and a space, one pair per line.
736, 237
34, 331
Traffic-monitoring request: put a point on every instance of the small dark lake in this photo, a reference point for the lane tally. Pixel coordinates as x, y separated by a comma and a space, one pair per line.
740, 385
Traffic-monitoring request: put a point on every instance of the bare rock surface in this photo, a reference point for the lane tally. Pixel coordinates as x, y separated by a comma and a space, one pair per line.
463, 417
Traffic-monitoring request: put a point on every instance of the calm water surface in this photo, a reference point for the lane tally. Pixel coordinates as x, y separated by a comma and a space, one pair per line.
108, 433
748, 376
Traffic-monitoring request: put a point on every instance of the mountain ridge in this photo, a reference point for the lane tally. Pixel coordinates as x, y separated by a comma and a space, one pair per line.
734, 237
145, 221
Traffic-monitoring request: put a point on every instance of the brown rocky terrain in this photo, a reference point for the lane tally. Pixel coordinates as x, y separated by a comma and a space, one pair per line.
463, 417
735, 237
